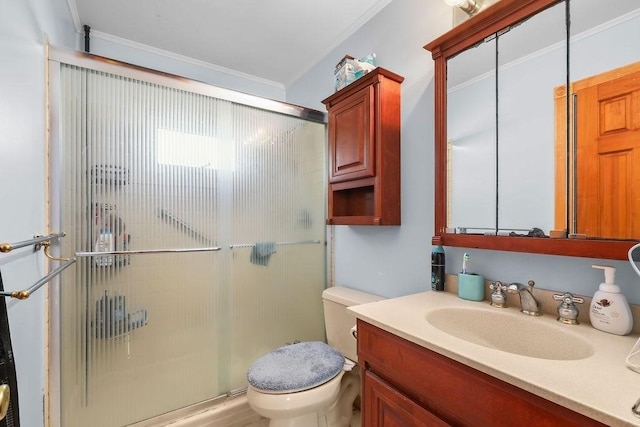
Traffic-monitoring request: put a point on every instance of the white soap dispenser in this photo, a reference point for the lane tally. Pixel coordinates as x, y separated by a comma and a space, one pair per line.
104, 243
610, 310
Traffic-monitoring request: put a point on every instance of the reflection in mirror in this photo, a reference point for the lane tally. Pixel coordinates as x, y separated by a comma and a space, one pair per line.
531, 167
471, 134
605, 85
531, 63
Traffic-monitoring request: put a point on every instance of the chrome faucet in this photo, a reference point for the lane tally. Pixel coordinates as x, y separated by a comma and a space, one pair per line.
529, 305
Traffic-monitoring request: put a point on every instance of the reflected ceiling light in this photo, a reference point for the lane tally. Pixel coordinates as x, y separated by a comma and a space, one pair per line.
470, 7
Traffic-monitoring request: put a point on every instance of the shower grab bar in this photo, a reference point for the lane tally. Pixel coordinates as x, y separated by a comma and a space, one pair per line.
8, 247
300, 242
24, 294
189, 230
147, 251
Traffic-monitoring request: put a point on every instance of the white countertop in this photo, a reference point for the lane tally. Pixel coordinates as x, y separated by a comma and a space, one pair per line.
599, 386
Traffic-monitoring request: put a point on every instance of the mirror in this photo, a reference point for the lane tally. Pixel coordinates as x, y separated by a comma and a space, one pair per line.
471, 149
514, 73
531, 63
605, 89
525, 185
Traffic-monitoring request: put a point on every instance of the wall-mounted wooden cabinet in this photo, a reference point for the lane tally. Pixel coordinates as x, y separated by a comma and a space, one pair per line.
364, 151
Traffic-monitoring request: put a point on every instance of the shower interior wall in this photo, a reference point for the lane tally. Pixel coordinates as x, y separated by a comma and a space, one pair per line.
208, 314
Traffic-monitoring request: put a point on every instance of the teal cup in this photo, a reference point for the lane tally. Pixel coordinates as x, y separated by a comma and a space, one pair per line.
471, 286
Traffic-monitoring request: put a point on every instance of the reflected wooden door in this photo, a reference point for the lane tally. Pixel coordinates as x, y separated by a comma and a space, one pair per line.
608, 156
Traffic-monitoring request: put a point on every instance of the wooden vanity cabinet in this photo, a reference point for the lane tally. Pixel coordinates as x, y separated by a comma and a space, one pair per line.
404, 384
364, 151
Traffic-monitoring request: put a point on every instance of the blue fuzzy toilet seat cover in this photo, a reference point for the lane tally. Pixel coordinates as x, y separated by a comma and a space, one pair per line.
295, 367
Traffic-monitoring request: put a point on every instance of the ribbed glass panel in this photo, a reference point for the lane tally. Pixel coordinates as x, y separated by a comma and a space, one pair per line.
151, 167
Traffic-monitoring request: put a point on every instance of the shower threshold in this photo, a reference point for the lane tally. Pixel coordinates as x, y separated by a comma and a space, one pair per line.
222, 411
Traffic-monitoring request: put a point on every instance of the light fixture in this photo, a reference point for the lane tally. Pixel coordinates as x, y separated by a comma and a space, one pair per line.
470, 7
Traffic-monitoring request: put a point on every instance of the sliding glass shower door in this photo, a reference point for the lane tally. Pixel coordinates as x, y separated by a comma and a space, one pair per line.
198, 225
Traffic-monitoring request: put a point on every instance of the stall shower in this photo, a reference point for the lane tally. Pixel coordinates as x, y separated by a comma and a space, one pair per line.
196, 216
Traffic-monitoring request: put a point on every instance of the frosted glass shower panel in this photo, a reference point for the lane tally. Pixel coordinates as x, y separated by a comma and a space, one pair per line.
147, 166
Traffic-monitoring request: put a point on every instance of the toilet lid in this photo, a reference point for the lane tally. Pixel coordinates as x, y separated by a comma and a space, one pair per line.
295, 367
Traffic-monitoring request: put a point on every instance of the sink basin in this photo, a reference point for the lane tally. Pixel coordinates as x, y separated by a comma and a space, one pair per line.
511, 332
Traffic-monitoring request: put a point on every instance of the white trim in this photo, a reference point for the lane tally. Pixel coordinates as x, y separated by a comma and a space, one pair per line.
73, 10
587, 33
52, 393
340, 38
364, 18
605, 26
171, 55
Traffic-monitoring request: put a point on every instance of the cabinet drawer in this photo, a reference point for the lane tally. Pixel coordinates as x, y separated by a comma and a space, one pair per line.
455, 392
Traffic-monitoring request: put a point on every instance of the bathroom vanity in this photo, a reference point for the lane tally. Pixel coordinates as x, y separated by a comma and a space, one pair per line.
416, 372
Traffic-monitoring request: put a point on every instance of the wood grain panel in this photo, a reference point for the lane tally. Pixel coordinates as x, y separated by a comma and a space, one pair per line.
608, 141
451, 391
390, 408
615, 115
351, 137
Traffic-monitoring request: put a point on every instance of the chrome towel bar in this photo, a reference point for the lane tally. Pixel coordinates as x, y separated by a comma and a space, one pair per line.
8, 247
300, 242
147, 251
38, 241
24, 294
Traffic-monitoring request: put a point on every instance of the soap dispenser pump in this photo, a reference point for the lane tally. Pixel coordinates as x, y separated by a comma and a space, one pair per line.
610, 310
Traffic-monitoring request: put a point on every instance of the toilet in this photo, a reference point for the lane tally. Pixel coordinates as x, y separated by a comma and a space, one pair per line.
312, 384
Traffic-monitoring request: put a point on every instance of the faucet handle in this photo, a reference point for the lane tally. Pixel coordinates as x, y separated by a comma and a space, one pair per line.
497, 286
498, 298
568, 298
531, 284
567, 311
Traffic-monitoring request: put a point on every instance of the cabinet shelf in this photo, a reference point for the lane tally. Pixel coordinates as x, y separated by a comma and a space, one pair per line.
364, 151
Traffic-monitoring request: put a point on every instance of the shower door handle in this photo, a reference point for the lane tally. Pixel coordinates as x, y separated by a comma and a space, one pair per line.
4, 400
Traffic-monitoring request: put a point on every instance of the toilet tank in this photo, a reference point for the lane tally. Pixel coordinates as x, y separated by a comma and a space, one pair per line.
338, 321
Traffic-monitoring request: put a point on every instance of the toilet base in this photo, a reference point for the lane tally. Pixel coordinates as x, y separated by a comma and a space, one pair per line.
313, 420
310, 420
338, 414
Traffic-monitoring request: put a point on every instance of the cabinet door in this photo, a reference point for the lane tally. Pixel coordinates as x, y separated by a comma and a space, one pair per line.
351, 136
387, 407
459, 394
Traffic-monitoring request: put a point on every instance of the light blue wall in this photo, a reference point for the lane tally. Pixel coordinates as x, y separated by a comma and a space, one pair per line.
395, 261
391, 261
23, 25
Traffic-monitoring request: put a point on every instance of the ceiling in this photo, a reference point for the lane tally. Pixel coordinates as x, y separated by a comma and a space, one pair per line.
272, 40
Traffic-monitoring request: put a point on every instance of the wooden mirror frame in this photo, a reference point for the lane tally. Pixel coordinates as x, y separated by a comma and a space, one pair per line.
502, 14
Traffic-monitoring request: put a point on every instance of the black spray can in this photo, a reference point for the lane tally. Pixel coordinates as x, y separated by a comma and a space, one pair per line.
437, 268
